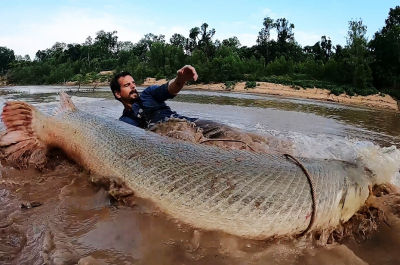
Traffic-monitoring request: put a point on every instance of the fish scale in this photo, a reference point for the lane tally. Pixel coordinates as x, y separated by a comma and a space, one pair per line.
236, 191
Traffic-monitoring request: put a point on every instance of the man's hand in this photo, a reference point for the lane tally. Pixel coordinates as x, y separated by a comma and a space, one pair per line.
186, 73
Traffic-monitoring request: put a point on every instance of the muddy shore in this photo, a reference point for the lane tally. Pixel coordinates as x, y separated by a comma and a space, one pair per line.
374, 101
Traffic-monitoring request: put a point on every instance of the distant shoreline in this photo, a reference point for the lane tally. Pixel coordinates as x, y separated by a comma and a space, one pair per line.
374, 101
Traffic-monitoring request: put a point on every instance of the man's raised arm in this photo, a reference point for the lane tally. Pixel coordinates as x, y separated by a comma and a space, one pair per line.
184, 74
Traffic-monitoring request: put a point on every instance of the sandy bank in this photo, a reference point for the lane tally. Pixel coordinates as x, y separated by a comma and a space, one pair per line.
375, 101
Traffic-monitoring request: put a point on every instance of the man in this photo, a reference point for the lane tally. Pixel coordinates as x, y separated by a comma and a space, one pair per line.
149, 108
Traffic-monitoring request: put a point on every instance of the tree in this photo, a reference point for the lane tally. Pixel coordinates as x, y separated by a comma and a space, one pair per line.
124, 46
178, 40
6, 57
86, 48
232, 43
40, 55
201, 38
73, 52
385, 47
326, 46
359, 58
105, 44
321, 50
266, 46
265, 33
150, 38
284, 30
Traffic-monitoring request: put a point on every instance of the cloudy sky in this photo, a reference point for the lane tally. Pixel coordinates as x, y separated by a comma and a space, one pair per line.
28, 26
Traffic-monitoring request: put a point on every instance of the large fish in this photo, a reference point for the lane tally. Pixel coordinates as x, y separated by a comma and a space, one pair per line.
243, 193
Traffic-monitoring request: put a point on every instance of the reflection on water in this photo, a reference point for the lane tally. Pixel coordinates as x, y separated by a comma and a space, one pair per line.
77, 220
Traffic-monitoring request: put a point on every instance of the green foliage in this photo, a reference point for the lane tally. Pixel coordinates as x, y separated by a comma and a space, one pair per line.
359, 60
6, 57
280, 67
361, 67
250, 84
392, 92
230, 85
385, 47
159, 76
337, 90
349, 91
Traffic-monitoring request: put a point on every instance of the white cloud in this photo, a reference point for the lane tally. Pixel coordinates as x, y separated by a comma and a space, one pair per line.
74, 25
247, 39
169, 31
268, 12
71, 25
306, 38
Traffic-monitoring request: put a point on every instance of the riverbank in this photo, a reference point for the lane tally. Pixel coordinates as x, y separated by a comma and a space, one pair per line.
374, 101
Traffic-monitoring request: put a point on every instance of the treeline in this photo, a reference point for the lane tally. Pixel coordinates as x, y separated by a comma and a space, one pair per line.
361, 66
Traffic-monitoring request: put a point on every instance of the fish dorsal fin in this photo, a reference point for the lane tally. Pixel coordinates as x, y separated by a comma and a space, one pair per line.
66, 104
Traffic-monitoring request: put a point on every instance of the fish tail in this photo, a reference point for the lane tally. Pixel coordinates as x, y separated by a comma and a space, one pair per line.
66, 104
20, 144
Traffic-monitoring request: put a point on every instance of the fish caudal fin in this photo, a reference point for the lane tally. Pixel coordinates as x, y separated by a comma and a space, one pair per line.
19, 144
66, 104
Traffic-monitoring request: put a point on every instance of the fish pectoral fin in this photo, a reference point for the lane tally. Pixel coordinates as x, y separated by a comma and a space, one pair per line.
19, 144
66, 104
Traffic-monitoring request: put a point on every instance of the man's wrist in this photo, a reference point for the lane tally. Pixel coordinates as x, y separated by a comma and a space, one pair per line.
179, 82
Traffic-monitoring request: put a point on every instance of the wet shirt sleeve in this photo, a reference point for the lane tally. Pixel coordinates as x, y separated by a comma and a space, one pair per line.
156, 93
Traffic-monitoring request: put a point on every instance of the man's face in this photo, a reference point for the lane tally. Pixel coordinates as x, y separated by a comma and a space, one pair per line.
128, 94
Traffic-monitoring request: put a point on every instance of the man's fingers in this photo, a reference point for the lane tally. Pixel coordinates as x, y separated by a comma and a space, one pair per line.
188, 72
193, 72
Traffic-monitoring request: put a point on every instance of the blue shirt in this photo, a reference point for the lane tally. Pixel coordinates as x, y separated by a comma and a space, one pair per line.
151, 108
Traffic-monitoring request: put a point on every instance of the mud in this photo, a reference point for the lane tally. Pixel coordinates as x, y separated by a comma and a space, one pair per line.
224, 136
80, 223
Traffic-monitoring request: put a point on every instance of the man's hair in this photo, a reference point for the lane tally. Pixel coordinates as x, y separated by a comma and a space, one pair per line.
114, 84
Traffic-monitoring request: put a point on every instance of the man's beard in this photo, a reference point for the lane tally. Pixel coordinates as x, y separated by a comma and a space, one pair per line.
136, 99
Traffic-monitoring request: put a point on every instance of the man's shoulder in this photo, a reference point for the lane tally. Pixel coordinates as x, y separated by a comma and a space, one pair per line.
158, 93
150, 89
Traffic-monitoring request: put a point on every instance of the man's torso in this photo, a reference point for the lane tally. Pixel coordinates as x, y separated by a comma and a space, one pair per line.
151, 108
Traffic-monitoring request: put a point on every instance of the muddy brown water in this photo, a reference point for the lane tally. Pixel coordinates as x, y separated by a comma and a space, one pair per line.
78, 222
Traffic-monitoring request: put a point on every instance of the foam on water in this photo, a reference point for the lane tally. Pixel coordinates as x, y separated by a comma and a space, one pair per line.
383, 161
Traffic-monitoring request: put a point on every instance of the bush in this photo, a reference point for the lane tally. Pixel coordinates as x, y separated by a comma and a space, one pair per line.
393, 93
349, 91
366, 91
250, 84
337, 90
159, 76
230, 85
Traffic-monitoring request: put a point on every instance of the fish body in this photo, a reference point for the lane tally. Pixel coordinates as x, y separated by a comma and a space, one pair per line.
248, 194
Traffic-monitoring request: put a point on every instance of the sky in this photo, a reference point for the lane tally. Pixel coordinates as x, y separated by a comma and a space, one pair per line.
28, 26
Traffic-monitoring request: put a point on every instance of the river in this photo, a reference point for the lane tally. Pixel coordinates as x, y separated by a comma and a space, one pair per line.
77, 220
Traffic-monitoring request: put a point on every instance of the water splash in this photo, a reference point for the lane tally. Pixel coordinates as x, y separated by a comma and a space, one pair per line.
383, 161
